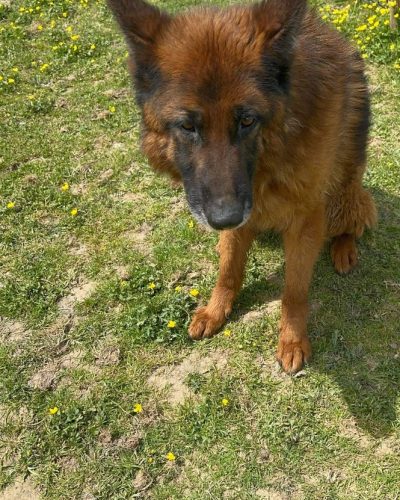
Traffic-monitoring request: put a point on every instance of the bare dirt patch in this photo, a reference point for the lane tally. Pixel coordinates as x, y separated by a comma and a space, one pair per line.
270, 308
13, 331
48, 376
107, 354
138, 237
349, 429
172, 378
78, 294
129, 197
21, 490
270, 368
269, 494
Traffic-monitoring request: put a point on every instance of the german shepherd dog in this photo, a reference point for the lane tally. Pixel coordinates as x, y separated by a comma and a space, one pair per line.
262, 111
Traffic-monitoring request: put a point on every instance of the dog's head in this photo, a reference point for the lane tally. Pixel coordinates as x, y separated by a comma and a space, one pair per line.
209, 82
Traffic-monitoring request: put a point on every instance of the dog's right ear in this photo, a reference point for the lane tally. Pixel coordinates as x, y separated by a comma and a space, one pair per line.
140, 22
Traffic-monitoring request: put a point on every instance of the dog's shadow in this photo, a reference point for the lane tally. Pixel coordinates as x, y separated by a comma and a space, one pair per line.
354, 325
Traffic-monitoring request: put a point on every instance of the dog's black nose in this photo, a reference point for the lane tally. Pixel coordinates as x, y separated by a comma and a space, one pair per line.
225, 214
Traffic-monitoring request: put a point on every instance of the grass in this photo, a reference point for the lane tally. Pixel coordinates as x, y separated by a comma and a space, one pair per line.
82, 330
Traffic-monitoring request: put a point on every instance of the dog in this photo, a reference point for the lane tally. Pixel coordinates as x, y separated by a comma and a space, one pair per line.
262, 111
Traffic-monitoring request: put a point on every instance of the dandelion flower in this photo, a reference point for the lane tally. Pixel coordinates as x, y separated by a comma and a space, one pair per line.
171, 324
10, 204
75, 37
74, 212
151, 286
93, 46
225, 402
227, 332
194, 292
43, 67
178, 288
191, 224
137, 408
111, 109
170, 456
54, 410
65, 186
40, 27
11, 80
15, 70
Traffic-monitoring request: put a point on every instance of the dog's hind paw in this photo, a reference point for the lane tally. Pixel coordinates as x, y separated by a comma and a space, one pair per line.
205, 324
293, 355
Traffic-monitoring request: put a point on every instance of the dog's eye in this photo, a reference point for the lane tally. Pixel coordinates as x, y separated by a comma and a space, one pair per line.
247, 121
188, 126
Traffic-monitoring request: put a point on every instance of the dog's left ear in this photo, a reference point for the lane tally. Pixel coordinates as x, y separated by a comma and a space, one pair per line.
279, 21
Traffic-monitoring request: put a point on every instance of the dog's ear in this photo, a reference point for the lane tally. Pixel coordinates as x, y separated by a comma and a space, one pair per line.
279, 21
140, 21
142, 24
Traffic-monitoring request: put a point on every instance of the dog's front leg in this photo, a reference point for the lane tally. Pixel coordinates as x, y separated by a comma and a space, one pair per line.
302, 242
233, 247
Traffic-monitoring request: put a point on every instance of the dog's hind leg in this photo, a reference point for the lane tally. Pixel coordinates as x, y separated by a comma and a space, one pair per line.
233, 247
349, 212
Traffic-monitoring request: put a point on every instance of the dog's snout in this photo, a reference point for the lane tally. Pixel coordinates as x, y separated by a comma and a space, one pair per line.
225, 213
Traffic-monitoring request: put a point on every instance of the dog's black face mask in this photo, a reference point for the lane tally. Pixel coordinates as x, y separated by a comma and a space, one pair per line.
216, 152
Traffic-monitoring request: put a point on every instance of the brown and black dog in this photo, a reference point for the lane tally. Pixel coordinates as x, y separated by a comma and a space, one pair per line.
263, 112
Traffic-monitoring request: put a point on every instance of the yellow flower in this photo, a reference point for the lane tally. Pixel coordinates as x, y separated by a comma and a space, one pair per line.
150, 460
11, 80
111, 109
52, 23
194, 292
15, 70
69, 29
225, 402
74, 212
392, 4
1, 78
31, 97
43, 67
137, 408
54, 410
151, 286
178, 288
65, 186
75, 37
363, 27
40, 27
170, 456
93, 46
364, 56
392, 46
10, 204
227, 332
171, 324
190, 224
65, 14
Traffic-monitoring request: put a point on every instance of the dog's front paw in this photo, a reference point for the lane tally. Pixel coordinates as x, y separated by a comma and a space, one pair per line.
205, 323
292, 355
